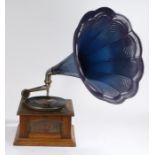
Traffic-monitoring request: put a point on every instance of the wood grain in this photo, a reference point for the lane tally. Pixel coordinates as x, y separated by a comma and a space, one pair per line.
45, 128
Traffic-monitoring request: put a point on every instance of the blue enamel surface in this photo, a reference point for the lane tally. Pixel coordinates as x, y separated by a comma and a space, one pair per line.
106, 56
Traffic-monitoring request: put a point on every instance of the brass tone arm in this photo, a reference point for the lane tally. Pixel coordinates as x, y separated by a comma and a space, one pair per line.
48, 80
26, 92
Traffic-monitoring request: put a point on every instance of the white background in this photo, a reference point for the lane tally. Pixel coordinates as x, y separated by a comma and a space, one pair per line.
38, 35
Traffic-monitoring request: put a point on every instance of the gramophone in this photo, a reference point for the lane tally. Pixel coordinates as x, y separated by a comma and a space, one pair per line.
107, 57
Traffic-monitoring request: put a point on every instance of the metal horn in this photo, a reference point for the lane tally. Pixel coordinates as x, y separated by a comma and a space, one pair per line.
107, 57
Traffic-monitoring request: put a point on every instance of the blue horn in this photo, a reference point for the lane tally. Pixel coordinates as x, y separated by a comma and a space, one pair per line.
107, 56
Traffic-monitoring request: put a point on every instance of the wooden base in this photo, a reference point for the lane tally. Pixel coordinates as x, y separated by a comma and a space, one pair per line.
45, 128
45, 141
